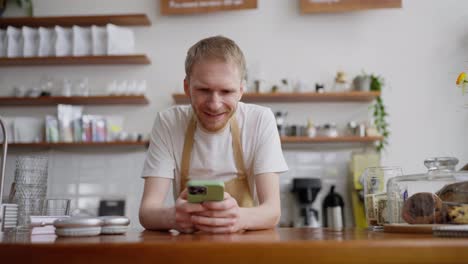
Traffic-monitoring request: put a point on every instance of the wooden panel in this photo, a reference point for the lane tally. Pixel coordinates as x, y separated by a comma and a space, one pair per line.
72, 60
297, 97
329, 6
81, 144
341, 139
68, 21
74, 100
179, 7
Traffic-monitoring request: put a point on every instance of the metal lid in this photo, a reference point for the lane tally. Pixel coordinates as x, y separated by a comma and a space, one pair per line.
78, 222
115, 220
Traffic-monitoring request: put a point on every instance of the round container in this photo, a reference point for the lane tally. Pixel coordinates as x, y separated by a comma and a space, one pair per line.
114, 225
78, 226
439, 196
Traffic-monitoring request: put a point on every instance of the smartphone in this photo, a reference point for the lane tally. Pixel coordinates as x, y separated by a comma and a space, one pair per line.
205, 190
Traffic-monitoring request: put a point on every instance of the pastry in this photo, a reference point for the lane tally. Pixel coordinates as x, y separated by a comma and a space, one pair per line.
422, 208
455, 192
456, 213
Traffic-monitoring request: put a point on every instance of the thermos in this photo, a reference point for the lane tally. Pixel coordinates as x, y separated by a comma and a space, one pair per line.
332, 210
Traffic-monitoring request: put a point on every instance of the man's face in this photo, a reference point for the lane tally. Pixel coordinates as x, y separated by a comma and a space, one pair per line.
214, 88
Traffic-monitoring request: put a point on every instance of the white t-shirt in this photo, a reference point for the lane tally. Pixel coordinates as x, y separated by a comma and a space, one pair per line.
212, 155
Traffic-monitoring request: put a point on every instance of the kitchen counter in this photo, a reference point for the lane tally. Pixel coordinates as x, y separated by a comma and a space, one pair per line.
282, 245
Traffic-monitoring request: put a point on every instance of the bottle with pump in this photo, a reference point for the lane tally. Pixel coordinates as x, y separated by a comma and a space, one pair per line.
332, 211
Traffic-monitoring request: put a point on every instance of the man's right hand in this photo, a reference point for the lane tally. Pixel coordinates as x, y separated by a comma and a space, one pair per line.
183, 213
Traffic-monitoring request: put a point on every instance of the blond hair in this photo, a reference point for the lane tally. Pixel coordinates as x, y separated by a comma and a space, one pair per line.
217, 47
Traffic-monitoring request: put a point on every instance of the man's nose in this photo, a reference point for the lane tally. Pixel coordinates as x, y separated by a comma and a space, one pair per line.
214, 101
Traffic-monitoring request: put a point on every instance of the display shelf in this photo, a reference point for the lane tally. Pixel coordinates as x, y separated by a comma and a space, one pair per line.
354, 96
81, 144
340, 139
77, 60
74, 100
68, 21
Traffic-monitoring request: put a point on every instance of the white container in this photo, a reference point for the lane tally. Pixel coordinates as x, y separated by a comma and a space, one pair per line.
14, 42
3, 43
82, 43
30, 41
63, 41
120, 40
46, 42
99, 40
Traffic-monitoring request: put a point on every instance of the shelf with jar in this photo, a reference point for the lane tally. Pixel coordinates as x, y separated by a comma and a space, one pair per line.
75, 100
142, 143
322, 139
74, 40
291, 97
68, 21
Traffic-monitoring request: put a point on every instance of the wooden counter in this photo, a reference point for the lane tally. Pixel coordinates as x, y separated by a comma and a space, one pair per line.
283, 245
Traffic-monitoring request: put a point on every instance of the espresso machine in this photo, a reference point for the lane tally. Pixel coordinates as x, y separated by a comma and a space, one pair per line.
305, 190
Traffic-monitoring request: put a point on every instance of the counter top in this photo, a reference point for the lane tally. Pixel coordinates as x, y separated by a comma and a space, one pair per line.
282, 245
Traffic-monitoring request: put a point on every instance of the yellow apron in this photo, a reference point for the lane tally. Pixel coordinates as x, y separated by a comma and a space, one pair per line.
238, 187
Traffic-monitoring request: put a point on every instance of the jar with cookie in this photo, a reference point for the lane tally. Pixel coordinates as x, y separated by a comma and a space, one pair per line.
439, 196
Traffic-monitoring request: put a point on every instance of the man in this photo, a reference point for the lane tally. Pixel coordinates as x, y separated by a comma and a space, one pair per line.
217, 137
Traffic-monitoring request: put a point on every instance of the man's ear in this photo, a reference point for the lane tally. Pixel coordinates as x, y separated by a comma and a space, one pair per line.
242, 86
186, 87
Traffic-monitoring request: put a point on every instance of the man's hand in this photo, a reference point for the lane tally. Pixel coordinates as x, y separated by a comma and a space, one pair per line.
219, 217
183, 213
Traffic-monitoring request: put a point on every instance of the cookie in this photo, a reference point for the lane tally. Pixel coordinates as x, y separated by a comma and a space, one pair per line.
457, 214
422, 208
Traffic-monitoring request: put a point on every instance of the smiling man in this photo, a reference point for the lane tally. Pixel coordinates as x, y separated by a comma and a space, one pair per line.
215, 138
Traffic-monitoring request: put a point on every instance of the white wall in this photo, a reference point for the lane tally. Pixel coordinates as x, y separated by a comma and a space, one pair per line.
418, 49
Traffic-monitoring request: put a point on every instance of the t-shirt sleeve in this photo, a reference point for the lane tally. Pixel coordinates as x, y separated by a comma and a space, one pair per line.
159, 157
268, 153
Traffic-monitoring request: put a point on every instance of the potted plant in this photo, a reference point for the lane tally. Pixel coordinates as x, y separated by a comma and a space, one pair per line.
379, 112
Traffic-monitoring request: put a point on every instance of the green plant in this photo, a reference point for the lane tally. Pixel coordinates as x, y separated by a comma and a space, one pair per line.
379, 112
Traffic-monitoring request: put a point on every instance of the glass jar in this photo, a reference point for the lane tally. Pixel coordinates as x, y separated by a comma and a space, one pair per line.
438, 197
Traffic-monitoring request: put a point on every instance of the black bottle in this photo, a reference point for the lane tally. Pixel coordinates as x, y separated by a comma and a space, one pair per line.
333, 210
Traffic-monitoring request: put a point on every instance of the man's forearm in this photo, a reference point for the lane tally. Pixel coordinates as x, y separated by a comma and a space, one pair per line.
260, 217
162, 218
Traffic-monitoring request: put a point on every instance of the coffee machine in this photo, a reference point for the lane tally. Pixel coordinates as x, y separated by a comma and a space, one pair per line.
306, 190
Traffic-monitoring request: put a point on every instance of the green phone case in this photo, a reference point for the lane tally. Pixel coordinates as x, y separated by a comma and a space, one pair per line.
205, 190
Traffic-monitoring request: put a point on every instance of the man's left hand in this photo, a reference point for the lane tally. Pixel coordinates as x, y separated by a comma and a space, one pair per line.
221, 217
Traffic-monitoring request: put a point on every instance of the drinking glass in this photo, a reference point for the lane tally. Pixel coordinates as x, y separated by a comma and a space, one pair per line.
57, 207
375, 196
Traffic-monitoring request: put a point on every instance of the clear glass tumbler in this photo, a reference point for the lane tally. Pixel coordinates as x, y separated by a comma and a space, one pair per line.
57, 207
375, 195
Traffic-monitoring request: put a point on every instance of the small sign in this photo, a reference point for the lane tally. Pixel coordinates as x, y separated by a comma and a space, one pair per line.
330, 6
180, 7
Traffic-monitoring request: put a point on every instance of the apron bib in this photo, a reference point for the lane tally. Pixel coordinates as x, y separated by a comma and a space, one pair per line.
238, 187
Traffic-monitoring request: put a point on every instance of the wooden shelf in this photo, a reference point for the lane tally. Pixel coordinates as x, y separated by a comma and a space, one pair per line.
354, 96
341, 139
68, 21
308, 6
74, 100
81, 144
75, 60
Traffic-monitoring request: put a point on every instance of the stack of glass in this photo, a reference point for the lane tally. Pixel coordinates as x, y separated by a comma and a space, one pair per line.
30, 187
